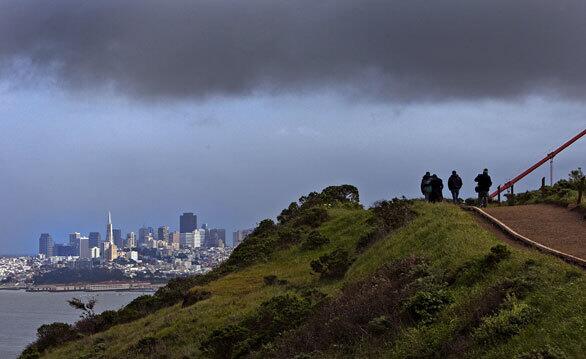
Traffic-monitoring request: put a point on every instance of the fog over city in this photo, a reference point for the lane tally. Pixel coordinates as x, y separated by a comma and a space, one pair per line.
232, 109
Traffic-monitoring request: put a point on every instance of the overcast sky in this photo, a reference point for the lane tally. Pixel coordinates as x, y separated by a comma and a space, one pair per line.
232, 109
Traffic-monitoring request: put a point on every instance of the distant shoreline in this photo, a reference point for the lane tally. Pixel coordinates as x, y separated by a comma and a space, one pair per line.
88, 287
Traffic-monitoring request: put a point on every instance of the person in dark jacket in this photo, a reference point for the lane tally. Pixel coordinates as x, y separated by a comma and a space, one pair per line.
426, 186
437, 185
484, 182
454, 185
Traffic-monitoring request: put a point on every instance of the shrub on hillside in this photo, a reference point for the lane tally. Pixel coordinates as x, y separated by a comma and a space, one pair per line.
367, 307
393, 214
509, 321
54, 334
288, 213
345, 194
388, 216
271, 319
195, 295
497, 254
312, 217
314, 240
425, 305
223, 342
273, 280
548, 352
369, 238
333, 265
289, 235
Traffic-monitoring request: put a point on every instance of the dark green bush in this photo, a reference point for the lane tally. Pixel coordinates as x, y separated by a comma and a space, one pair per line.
497, 254
273, 280
270, 320
147, 346
368, 239
312, 217
548, 352
289, 236
393, 214
424, 306
314, 240
333, 265
54, 334
288, 213
194, 296
379, 325
513, 316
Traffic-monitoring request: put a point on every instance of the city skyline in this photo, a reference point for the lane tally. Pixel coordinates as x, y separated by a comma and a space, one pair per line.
264, 106
74, 238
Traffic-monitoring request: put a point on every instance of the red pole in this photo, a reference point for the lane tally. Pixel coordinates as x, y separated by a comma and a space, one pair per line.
538, 164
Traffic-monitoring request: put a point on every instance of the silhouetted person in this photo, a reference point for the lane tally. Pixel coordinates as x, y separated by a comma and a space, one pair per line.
454, 185
484, 182
426, 186
437, 185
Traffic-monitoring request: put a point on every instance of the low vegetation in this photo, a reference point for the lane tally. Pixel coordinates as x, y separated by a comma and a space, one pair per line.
564, 192
400, 279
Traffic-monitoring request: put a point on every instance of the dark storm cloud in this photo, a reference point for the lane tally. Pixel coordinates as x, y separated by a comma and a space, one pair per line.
408, 49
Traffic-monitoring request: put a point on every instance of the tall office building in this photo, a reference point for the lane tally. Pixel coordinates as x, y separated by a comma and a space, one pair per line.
175, 239
143, 233
110, 251
74, 240
163, 233
130, 240
46, 244
64, 250
192, 239
118, 240
215, 237
95, 239
187, 222
84, 247
239, 236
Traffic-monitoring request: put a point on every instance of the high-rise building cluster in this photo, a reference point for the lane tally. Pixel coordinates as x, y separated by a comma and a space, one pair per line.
115, 245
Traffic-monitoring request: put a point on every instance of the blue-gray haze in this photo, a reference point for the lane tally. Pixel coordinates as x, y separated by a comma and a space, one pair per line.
232, 109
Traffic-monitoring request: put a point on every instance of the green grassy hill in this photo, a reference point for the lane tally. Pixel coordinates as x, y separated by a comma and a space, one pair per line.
401, 280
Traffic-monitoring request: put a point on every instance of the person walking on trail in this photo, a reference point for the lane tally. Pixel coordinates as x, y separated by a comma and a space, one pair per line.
484, 182
426, 186
437, 185
454, 185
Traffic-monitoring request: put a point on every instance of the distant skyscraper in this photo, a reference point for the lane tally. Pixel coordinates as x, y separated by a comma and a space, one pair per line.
74, 239
192, 239
130, 240
109, 230
110, 249
175, 239
215, 237
118, 240
187, 222
46, 244
84, 247
143, 233
64, 250
95, 239
239, 236
163, 233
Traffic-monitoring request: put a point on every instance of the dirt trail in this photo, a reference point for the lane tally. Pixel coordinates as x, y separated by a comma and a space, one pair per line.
552, 226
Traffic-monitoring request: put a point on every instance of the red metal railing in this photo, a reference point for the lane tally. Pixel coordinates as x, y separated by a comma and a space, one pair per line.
538, 164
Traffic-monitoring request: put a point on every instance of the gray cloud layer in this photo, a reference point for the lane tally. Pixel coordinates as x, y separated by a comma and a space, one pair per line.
401, 49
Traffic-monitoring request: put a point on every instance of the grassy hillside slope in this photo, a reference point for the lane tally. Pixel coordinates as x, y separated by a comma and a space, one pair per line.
437, 287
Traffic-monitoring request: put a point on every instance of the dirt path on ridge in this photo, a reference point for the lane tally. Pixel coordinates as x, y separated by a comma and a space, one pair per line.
552, 226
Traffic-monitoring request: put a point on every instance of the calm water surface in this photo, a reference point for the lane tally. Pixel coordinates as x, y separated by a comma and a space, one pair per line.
21, 313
